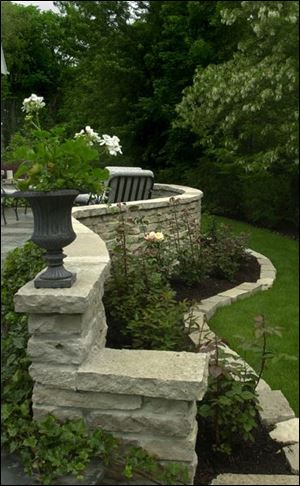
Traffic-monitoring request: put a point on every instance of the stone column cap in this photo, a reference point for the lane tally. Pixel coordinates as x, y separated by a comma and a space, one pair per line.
74, 300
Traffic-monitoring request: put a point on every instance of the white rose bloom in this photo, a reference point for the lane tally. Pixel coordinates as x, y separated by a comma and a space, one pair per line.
152, 236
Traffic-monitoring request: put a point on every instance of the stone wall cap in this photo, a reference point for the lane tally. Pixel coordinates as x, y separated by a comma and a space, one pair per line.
161, 374
74, 300
184, 193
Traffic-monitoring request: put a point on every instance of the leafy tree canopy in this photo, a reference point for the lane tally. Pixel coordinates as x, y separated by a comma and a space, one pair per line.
245, 110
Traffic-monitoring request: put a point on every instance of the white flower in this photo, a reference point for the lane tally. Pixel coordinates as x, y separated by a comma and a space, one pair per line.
112, 144
33, 103
89, 134
152, 236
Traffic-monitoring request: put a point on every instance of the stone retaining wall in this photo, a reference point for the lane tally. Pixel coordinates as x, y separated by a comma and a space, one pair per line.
159, 213
145, 397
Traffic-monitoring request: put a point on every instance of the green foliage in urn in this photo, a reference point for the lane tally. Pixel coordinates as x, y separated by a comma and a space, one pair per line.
51, 161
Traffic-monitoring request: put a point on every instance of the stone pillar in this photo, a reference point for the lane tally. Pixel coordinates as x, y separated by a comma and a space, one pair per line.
147, 398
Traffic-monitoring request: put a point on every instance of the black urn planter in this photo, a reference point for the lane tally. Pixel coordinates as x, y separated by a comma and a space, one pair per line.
52, 231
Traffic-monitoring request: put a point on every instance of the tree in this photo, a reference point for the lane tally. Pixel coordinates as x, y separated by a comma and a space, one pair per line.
245, 110
30, 39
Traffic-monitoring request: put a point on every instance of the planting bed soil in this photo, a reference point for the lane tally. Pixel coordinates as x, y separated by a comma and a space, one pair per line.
263, 456
249, 272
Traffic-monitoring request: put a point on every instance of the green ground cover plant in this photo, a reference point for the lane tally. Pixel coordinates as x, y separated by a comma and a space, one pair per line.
279, 305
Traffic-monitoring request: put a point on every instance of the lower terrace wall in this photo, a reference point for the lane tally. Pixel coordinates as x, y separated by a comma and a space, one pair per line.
145, 397
168, 203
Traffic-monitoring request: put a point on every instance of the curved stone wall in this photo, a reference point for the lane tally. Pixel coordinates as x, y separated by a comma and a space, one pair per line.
168, 203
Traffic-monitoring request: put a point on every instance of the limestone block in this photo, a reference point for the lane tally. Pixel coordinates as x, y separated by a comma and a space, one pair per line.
292, 455
251, 287
266, 264
266, 282
74, 300
212, 304
62, 414
268, 274
159, 374
68, 398
68, 324
89, 245
58, 376
275, 407
234, 294
163, 406
140, 422
166, 449
286, 432
62, 349
262, 386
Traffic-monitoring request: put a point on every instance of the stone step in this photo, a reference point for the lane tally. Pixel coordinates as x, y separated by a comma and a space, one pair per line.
259, 479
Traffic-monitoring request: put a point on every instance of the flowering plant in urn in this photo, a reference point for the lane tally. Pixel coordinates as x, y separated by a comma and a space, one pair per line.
52, 161
53, 172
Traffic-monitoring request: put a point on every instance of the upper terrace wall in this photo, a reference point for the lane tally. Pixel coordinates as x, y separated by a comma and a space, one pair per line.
157, 212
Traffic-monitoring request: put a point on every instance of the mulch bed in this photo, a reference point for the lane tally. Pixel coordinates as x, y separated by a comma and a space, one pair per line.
263, 456
249, 272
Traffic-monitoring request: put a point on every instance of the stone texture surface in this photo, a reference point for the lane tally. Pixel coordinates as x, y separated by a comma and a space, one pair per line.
160, 374
292, 456
68, 351
141, 422
58, 376
286, 432
74, 300
259, 479
234, 294
166, 448
275, 407
62, 414
157, 212
89, 400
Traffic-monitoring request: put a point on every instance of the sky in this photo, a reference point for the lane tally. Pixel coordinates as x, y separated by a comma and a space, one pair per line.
40, 4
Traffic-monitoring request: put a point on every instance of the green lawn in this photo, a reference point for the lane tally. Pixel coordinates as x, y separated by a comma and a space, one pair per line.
279, 305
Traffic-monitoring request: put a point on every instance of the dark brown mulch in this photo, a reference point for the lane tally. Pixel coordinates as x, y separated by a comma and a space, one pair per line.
263, 456
249, 272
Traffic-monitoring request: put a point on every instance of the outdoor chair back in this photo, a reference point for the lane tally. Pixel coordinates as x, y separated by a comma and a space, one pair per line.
124, 184
132, 185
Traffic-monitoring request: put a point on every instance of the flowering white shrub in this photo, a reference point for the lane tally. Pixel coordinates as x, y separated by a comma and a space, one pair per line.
245, 110
89, 134
33, 104
112, 144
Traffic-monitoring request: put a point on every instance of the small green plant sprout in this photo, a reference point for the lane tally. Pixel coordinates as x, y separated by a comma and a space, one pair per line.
138, 464
259, 346
230, 404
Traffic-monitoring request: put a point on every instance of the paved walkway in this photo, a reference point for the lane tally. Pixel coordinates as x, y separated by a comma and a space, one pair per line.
15, 233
